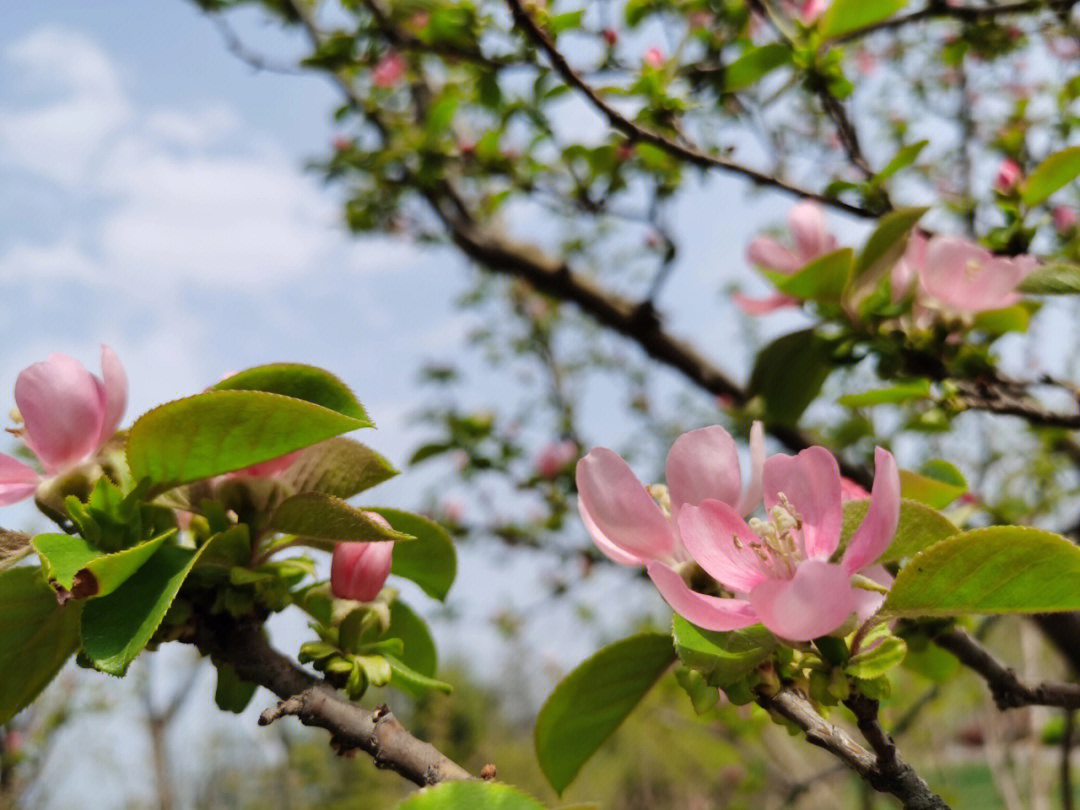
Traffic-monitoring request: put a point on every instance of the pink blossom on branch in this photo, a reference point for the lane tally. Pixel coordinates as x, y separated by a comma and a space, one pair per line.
68, 415
1064, 219
359, 570
389, 71
654, 58
1008, 175
624, 519
779, 569
555, 458
963, 277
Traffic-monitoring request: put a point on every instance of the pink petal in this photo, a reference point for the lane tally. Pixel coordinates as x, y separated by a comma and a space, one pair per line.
751, 498
708, 532
764, 251
968, 278
810, 231
17, 481
851, 491
763, 306
62, 410
811, 482
600, 540
878, 527
359, 570
703, 464
868, 602
906, 271
114, 391
618, 510
268, 469
710, 612
813, 603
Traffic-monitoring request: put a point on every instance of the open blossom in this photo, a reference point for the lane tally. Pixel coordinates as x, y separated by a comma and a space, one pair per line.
961, 276
811, 237
68, 415
779, 569
626, 522
359, 570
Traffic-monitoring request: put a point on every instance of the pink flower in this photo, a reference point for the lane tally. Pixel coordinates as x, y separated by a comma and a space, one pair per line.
1008, 175
268, 469
625, 521
965, 277
68, 415
812, 239
611, 37
1064, 219
341, 143
359, 570
812, 9
388, 72
654, 58
555, 458
851, 491
779, 569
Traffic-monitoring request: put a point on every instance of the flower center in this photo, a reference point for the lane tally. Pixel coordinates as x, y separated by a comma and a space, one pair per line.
780, 544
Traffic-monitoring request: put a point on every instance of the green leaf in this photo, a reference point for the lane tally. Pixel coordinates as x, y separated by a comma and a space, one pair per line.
83, 571
878, 660
901, 392
702, 694
1001, 321
593, 700
723, 658
116, 628
298, 381
419, 653
430, 561
214, 433
1052, 279
845, 16
932, 491
904, 157
324, 517
1056, 172
36, 637
410, 681
919, 527
471, 795
340, 467
754, 64
823, 279
1001, 569
884, 247
789, 373
232, 694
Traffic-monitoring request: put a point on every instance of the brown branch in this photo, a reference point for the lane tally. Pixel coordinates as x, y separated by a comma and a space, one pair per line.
882, 769
243, 646
1010, 398
636, 132
1008, 691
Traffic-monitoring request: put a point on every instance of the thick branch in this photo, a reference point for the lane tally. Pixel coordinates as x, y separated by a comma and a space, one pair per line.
636, 132
883, 770
242, 646
1008, 690
1011, 398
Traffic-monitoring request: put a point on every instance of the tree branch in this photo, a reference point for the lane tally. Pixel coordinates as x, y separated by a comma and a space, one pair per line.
636, 132
242, 646
883, 769
1008, 691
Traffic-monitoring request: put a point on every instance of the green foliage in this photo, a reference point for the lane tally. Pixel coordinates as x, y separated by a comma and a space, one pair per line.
1001, 569
884, 247
340, 467
1056, 172
754, 64
823, 279
37, 636
590, 703
1056, 278
221, 431
903, 391
306, 383
919, 527
789, 372
323, 517
430, 560
723, 658
474, 795
845, 16
937, 486
232, 694
70, 559
878, 660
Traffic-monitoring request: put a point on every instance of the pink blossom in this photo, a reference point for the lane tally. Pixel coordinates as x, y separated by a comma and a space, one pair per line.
812, 9
851, 491
626, 522
654, 58
779, 569
964, 277
68, 415
1064, 219
341, 143
453, 510
359, 570
811, 237
555, 458
1008, 175
389, 70
268, 469
611, 37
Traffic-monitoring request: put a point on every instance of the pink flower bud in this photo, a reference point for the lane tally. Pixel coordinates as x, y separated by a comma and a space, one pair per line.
556, 458
453, 510
388, 72
359, 570
611, 37
812, 9
654, 58
1064, 219
1008, 175
13, 742
341, 143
